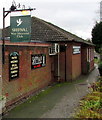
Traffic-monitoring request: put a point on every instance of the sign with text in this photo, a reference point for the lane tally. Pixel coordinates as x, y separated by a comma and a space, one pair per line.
20, 28
38, 61
76, 49
13, 65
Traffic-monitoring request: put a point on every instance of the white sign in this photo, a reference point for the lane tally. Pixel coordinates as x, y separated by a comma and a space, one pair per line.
76, 49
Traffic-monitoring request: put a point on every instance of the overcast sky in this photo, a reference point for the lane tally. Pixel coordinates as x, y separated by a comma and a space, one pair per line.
75, 16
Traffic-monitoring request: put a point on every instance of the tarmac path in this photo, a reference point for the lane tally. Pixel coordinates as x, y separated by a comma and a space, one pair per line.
70, 101
59, 102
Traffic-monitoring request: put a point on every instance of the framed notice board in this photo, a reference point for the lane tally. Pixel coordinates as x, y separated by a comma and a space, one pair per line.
13, 65
38, 61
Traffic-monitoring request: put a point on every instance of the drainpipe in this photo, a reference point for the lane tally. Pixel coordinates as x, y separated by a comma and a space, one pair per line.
65, 62
58, 66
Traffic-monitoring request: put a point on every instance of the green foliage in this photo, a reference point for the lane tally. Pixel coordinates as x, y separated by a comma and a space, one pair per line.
97, 48
96, 60
2, 97
97, 33
97, 36
100, 65
92, 104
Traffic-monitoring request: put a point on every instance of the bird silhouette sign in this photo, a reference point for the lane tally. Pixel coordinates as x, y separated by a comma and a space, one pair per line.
19, 22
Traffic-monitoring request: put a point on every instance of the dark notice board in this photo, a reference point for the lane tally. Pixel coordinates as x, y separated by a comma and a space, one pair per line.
13, 65
38, 61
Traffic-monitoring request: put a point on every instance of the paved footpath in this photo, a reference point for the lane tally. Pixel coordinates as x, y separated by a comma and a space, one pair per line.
60, 102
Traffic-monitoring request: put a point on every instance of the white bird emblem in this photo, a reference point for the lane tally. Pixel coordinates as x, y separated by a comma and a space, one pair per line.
19, 22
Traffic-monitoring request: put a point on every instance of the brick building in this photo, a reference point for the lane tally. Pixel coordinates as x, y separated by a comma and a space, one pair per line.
52, 55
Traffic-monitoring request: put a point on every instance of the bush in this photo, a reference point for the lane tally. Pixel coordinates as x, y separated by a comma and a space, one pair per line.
2, 98
91, 105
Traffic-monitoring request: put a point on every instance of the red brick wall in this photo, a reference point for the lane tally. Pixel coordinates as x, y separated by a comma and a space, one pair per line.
29, 80
84, 60
92, 59
62, 66
0, 70
69, 62
87, 59
76, 66
73, 65
91, 65
76, 63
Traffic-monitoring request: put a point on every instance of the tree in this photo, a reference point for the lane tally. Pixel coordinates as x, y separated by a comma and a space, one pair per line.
97, 37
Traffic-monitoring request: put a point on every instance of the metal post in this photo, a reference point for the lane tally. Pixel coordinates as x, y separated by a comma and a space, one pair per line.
3, 38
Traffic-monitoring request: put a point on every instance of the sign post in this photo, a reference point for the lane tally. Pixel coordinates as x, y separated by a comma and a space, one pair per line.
13, 8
